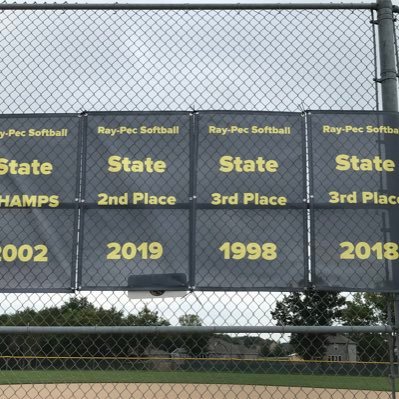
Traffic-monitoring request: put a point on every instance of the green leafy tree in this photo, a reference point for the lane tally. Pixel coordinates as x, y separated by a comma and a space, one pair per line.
312, 307
278, 350
369, 309
195, 344
79, 312
139, 343
266, 349
146, 318
190, 320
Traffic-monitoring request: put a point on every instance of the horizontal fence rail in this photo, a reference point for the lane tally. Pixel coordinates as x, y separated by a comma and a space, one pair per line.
194, 329
210, 6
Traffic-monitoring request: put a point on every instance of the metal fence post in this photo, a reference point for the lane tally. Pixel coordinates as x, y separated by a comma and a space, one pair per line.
387, 55
389, 91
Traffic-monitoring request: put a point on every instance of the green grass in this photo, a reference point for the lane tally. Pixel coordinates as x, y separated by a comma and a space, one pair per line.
78, 376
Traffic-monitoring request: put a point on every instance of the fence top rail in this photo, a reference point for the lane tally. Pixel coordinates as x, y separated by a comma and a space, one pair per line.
192, 329
209, 6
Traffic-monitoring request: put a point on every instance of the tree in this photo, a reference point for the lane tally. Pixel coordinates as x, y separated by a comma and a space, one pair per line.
369, 309
139, 343
146, 318
278, 350
190, 320
266, 349
312, 307
195, 344
79, 312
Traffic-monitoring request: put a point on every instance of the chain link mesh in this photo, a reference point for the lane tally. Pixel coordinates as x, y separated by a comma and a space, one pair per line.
182, 60
275, 60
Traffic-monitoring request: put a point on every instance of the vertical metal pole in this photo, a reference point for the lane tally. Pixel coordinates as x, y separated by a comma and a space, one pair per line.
389, 91
387, 56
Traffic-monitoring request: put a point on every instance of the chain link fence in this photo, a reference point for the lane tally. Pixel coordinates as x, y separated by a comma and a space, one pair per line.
184, 59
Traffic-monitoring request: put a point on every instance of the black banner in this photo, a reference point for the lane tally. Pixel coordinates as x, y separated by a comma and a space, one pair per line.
138, 159
204, 200
250, 249
39, 186
250, 190
355, 184
121, 243
138, 163
250, 159
37, 250
38, 160
354, 250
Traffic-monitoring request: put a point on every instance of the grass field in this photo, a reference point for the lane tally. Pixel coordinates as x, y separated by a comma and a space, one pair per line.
78, 376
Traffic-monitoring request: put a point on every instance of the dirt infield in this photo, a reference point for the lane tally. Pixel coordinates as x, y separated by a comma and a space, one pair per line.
178, 391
